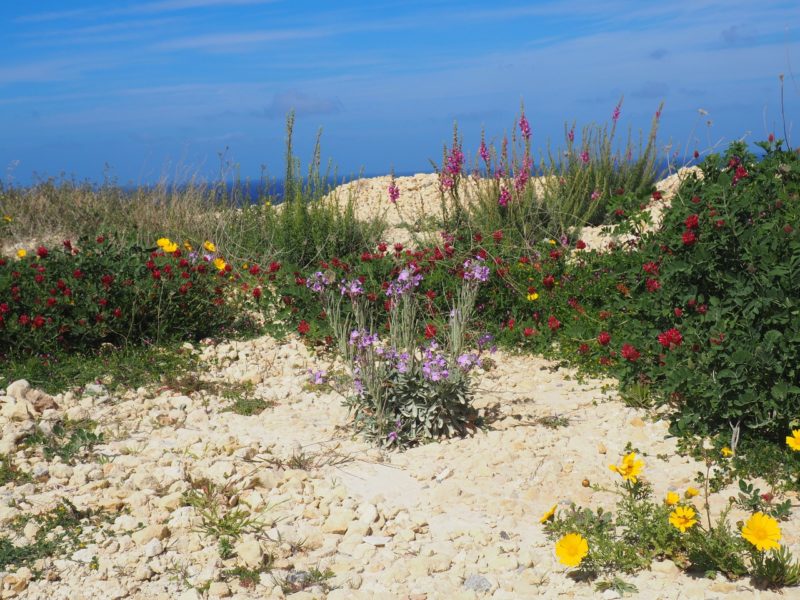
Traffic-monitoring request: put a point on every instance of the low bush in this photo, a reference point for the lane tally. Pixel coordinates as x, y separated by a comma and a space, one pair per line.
84, 294
603, 543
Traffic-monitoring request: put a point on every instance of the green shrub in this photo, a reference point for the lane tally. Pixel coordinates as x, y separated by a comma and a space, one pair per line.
81, 295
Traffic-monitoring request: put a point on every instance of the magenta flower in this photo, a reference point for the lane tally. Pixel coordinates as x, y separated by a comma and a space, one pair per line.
585, 157
505, 196
617, 110
571, 135
595, 195
394, 192
484, 152
525, 127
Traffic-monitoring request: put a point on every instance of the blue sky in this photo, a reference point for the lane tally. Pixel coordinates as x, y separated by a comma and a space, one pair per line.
159, 88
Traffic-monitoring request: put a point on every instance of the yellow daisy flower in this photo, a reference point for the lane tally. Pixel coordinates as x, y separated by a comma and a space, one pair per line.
726, 452
683, 518
533, 296
219, 264
169, 248
187, 245
793, 441
549, 514
572, 549
163, 242
762, 531
672, 498
210, 246
691, 492
22, 253
630, 467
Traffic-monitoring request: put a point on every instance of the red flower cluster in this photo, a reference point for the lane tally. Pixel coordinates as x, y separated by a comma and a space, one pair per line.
671, 338
604, 338
630, 353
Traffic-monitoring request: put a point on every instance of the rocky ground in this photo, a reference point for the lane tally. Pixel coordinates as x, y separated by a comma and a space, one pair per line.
308, 511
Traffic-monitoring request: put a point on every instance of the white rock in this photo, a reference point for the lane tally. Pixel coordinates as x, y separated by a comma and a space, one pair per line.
153, 548
377, 540
18, 389
249, 551
339, 520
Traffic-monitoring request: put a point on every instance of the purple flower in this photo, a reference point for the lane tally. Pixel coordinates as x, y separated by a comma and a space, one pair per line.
404, 283
617, 110
475, 270
434, 364
455, 161
392, 437
467, 361
524, 175
394, 192
505, 196
585, 157
484, 152
351, 288
571, 135
524, 127
317, 282
317, 377
595, 195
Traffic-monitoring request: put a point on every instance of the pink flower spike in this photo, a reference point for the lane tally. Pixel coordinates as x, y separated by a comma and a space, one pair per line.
525, 127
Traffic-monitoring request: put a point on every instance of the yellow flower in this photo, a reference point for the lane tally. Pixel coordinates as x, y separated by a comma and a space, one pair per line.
163, 242
245, 266
572, 549
629, 468
726, 452
793, 441
219, 264
210, 246
169, 248
691, 492
549, 514
683, 518
187, 245
22, 253
533, 296
672, 498
762, 531
552, 242
7, 218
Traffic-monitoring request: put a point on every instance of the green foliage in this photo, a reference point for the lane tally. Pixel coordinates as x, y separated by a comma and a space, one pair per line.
79, 297
776, 569
218, 518
10, 473
59, 533
68, 440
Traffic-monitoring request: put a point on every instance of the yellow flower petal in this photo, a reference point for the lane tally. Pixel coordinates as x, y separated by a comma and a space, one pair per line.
683, 518
672, 498
219, 264
22, 253
793, 441
572, 549
163, 242
549, 514
726, 452
210, 246
691, 492
762, 531
630, 467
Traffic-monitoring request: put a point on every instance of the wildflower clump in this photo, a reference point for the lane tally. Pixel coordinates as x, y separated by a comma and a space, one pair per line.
411, 383
603, 543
